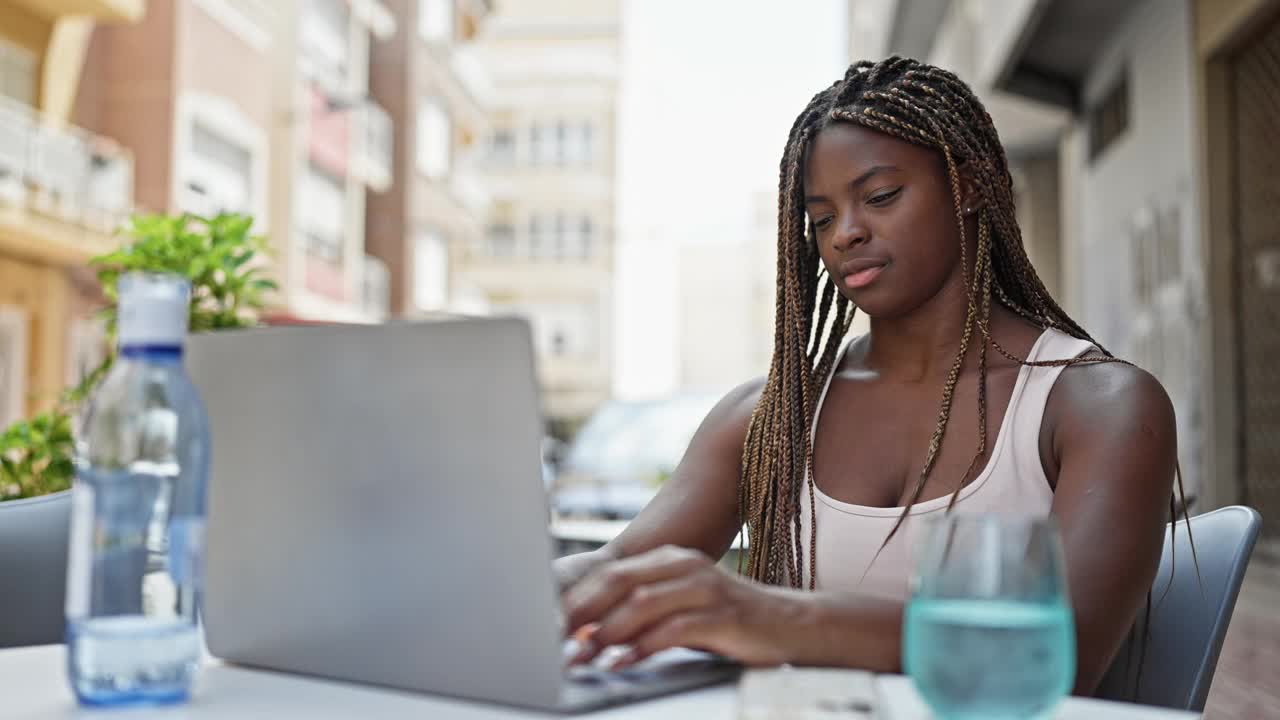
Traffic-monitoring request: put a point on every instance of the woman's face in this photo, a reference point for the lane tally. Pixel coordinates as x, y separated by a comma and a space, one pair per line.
884, 216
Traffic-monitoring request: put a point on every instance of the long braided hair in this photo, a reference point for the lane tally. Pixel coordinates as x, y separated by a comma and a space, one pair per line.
927, 106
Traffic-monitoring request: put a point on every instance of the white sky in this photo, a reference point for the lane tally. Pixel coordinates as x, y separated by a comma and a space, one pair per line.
709, 90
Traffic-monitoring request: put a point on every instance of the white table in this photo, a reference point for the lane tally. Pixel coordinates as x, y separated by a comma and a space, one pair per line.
33, 685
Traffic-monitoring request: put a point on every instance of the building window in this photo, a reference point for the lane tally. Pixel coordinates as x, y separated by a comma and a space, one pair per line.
586, 137
538, 245
14, 338
430, 271
435, 132
560, 329
322, 218
325, 34
217, 175
1109, 119
579, 151
560, 241
502, 148
17, 73
502, 240
435, 20
565, 329
540, 150
586, 237
562, 151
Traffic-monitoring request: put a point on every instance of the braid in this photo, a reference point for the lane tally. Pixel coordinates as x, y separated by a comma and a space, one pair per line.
933, 108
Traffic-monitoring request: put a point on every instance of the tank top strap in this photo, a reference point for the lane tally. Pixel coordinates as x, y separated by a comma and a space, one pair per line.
1027, 413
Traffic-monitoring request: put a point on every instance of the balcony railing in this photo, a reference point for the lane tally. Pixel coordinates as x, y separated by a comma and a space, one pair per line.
63, 172
473, 75
374, 15
375, 289
471, 192
371, 162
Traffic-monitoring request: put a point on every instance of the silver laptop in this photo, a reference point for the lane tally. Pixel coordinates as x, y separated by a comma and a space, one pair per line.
377, 514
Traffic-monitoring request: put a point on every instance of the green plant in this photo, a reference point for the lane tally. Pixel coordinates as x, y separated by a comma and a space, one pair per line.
36, 456
227, 291
215, 254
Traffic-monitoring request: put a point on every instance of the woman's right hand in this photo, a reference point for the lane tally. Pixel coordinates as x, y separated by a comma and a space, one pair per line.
568, 570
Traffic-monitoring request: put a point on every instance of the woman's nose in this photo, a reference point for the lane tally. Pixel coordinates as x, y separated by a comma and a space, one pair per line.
847, 234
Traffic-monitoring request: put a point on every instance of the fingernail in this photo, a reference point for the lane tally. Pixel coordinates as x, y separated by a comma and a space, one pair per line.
629, 658
585, 633
587, 650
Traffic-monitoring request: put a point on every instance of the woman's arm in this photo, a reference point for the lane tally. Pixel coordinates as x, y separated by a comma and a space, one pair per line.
1114, 446
697, 506
676, 597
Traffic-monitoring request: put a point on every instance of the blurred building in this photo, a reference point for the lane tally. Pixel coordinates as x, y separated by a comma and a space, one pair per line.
332, 150
549, 160
1142, 135
64, 187
713, 313
262, 108
715, 329
431, 82
763, 303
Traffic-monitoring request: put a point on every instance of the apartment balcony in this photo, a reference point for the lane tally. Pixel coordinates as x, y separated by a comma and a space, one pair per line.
329, 136
472, 74
509, 181
372, 146
375, 289
460, 80
106, 10
458, 203
523, 277
375, 16
471, 193
63, 191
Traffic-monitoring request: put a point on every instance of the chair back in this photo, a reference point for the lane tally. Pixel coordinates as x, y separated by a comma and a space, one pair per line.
1189, 614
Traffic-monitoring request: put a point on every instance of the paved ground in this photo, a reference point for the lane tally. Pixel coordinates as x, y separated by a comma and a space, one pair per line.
1247, 683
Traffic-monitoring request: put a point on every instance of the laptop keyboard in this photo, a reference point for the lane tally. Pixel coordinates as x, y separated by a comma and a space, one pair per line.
658, 668
598, 671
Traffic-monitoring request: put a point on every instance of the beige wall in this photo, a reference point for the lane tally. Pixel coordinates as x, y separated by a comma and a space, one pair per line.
211, 59
39, 254
24, 28
1134, 228
1038, 205
715, 329
555, 60
387, 222
1220, 26
405, 70
131, 96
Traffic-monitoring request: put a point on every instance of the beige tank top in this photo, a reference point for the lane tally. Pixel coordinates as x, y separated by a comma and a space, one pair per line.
850, 536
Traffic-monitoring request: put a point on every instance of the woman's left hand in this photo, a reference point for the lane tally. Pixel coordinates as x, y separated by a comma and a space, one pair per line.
676, 597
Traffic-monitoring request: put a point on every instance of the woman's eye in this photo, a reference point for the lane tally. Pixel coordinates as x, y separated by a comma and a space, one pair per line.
884, 197
821, 222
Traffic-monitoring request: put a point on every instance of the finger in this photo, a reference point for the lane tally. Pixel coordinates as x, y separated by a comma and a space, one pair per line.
584, 644
688, 629
607, 585
648, 605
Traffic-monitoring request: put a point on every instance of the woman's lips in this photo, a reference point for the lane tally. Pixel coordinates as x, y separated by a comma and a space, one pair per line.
863, 278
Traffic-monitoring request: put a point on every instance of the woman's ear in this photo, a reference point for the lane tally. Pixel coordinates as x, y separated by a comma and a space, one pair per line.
971, 198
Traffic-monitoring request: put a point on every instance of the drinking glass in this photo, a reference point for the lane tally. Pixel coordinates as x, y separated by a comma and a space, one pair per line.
989, 631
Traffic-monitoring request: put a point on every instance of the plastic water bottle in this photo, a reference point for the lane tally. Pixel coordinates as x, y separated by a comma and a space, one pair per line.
136, 553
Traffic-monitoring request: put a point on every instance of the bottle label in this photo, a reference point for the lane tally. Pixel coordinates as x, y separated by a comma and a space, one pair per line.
80, 550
